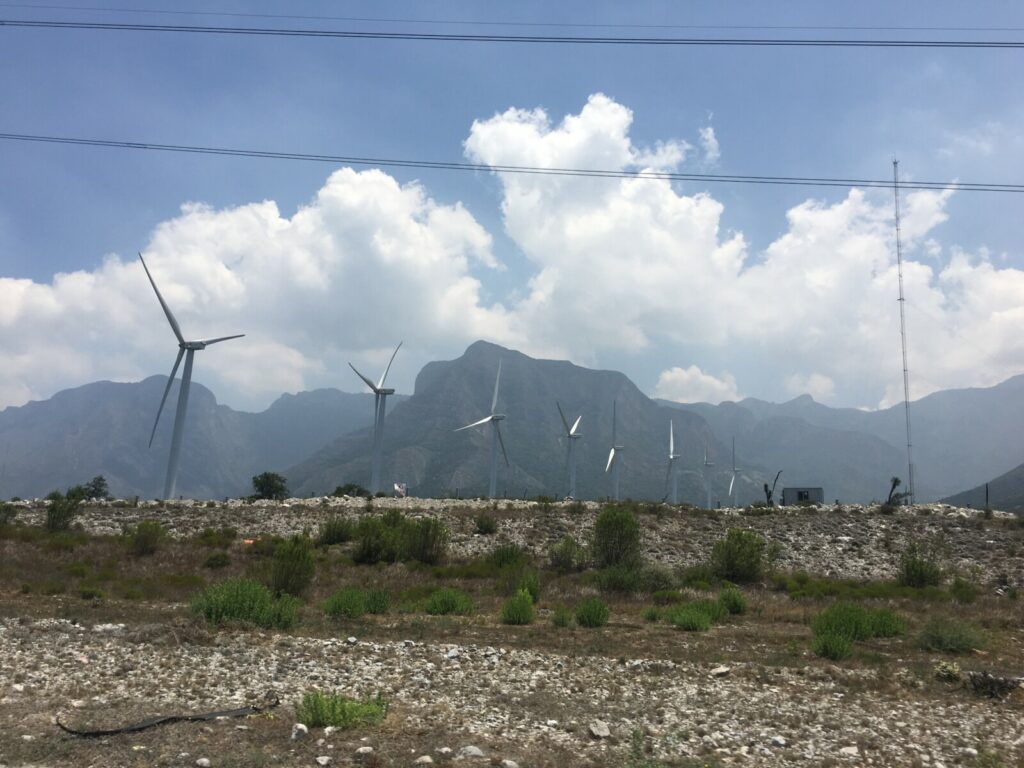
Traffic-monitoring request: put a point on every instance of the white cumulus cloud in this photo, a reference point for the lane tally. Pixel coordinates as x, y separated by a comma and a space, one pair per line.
692, 385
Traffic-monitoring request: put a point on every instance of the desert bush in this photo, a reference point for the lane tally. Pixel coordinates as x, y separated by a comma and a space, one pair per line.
376, 542
616, 538
651, 613
217, 560
507, 556
217, 537
346, 603
739, 557
950, 636
918, 568
567, 556
732, 600
248, 601
335, 530
61, 512
319, 710
97, 488
144, 538
592, 612
450, 601
963, 591
689, 618
530, 582
713, 608
292, 568
561, 616
8, 514
486, 524
518, 609
667, 597
350, 489
831, 645
424, 540
700, 576
270, 485
886, 623
377, 601
846, 619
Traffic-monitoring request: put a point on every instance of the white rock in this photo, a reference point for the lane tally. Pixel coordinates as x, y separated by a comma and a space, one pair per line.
850, 751
970, 752
778, 741
18, 688
551, 723
323, 760
203, 762
509, 764
351, 640
299, 731
444, 751
329, 730
423, 760
364, 751
721, 671
599, 729
471, 751
453, 653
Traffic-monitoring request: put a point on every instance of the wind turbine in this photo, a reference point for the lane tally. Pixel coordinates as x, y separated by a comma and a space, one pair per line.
671, 476
188, 349
380, 396
613, 454
707, 477
494, 420
572, 435
735, 470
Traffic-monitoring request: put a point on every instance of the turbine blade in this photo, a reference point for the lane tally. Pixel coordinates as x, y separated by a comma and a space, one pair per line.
497, 380
167, 310
576, 424
368, 382
732, 482
671, 439
564, 422
170, 380
219, 339
484, 420
385, 375
611, 460
501, 441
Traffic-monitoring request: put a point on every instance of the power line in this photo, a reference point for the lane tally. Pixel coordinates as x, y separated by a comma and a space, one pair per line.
486, 23
806, 181
495, 38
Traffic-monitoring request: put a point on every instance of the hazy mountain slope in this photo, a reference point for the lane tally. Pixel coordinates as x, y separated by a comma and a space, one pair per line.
422, 449
103, 429
1006, 493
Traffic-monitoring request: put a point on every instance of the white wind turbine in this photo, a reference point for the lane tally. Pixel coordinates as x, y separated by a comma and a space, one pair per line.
671, 476
614, 463
572, 435
735, 471
380, 396
188, 350
707, 476
494, 419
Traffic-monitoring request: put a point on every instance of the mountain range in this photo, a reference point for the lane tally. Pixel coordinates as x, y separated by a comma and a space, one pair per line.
322, 439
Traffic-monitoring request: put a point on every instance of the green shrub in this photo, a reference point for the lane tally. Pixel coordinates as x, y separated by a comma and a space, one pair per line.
530, 582
425, 540
144, 538
616, 540
60, 513
8, 514
335, 530
831, 645
350, 489
886, 623
713, 608
950, 636
518, 609
963, 591
52, 587
651, 613
448, 601
346, 603
507, 556
689, 618
567, 556
217, 560
667, 597
377, 601
845, 619
592, 612
292, 569
270, 485
486, 524
90, 592
219, 537
700, 576
918, 568
739, 557
732, 600
245, 600
264, 546
376, 542
318, 710
561, 616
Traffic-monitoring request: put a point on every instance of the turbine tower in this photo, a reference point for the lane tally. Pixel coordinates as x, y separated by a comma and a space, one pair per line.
380, 396
188, 350
671, 476
572, 435
494, 420
707, 477
614, 464
735, 469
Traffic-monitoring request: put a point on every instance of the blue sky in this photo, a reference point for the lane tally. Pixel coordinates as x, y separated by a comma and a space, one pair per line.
946, 114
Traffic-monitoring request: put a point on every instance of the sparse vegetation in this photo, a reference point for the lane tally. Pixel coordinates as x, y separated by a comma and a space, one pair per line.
561, 617
518, 609
292, 568
592, 612
144, 538
486, 524
739, 557
616, 540
350, 489
335, 530
245, 600
351, 603
319, 710
61, 513
567, 556
450, 601
217, 560
950, 636
392, 537
733, 600
918, 568
217, 537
